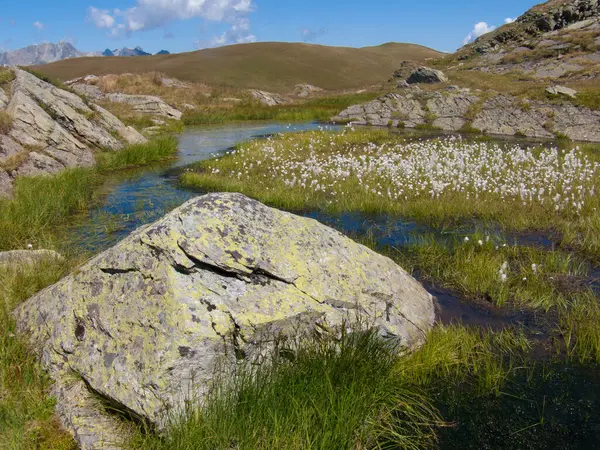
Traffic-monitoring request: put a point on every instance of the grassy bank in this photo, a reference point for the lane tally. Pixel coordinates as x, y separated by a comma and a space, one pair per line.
159, 149
321, 109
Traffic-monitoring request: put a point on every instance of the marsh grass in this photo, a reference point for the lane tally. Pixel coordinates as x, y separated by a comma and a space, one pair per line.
320, 109
27, 418
355, 393
160, 149
42, 204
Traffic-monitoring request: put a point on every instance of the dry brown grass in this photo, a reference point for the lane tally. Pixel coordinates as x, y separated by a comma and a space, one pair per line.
273, 66
5, 122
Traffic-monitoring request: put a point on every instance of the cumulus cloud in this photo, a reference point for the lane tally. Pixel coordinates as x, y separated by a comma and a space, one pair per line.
38, 25
309, 35
101, 17
479, 29
152, 14
239, 33
509, 20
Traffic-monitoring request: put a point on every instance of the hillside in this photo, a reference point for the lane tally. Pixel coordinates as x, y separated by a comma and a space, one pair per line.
270, 65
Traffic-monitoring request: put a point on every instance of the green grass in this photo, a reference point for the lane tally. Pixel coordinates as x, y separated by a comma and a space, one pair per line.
590, 98
159, 149
27, 418
41, 205
321, 109
355, 393
6, 76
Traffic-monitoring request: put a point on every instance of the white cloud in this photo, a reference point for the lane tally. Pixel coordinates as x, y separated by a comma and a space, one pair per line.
509, 20
479, 29
151, 14
38, 25
239, 33
101, 17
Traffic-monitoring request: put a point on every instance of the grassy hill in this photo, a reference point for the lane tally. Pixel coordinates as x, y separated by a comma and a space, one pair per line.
272, 66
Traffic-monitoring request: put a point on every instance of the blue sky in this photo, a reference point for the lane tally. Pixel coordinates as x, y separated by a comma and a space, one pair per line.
185, 25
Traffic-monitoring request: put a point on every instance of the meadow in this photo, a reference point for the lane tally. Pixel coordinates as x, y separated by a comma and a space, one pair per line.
467, 387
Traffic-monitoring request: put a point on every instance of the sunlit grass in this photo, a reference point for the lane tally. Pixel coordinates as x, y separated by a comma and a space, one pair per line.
159, 149
26, 411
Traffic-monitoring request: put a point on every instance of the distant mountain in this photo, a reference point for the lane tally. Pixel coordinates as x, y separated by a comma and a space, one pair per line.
40, 54
126, 52
164, 52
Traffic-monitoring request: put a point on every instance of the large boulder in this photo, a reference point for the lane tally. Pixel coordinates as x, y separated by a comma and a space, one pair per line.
427, 75
218, 280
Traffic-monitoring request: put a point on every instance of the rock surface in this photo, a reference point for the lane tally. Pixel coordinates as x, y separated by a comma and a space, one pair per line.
146, 323
427, 75
3, 99
562, 90
306, 90
267, 98
500, 114
53, 129
146, 104
6, 188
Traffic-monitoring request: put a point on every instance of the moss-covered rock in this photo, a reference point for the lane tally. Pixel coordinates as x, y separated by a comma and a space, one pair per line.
221, 278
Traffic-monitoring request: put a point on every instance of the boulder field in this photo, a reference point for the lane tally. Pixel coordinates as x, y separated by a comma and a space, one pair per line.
147, 324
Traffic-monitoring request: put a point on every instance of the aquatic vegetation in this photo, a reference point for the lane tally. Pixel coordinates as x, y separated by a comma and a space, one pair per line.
160, 149
438, 178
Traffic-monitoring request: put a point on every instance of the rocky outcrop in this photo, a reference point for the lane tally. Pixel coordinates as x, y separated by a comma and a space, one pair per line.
506, 115
457, 109
267, 98
216, 282
146, 104
6, 188
53, 129
306, 90
427, 75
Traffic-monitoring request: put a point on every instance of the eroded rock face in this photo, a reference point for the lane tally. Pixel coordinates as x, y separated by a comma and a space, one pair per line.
501, 114
427, 75
146, 104
268, 98
217, 280
53, 129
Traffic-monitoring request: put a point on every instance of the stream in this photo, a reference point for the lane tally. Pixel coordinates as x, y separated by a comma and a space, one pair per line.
134, 198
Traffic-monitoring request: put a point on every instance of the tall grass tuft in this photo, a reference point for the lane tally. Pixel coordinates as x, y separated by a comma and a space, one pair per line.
329, 395
5, 122
41, 204
159, 149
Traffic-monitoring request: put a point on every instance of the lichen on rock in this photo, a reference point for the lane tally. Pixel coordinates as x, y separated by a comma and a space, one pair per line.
146, 323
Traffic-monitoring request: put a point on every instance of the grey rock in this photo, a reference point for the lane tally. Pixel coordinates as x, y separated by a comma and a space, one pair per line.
391, 109
450, 109
147, 322
3, 99
267, 98
38, 164
68, 109
555, 70
6, 184
90, 91
561, 90
427, 75
306, 90
9, 148
403, 84
174, 83
19, 258
146, 104
129, 134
